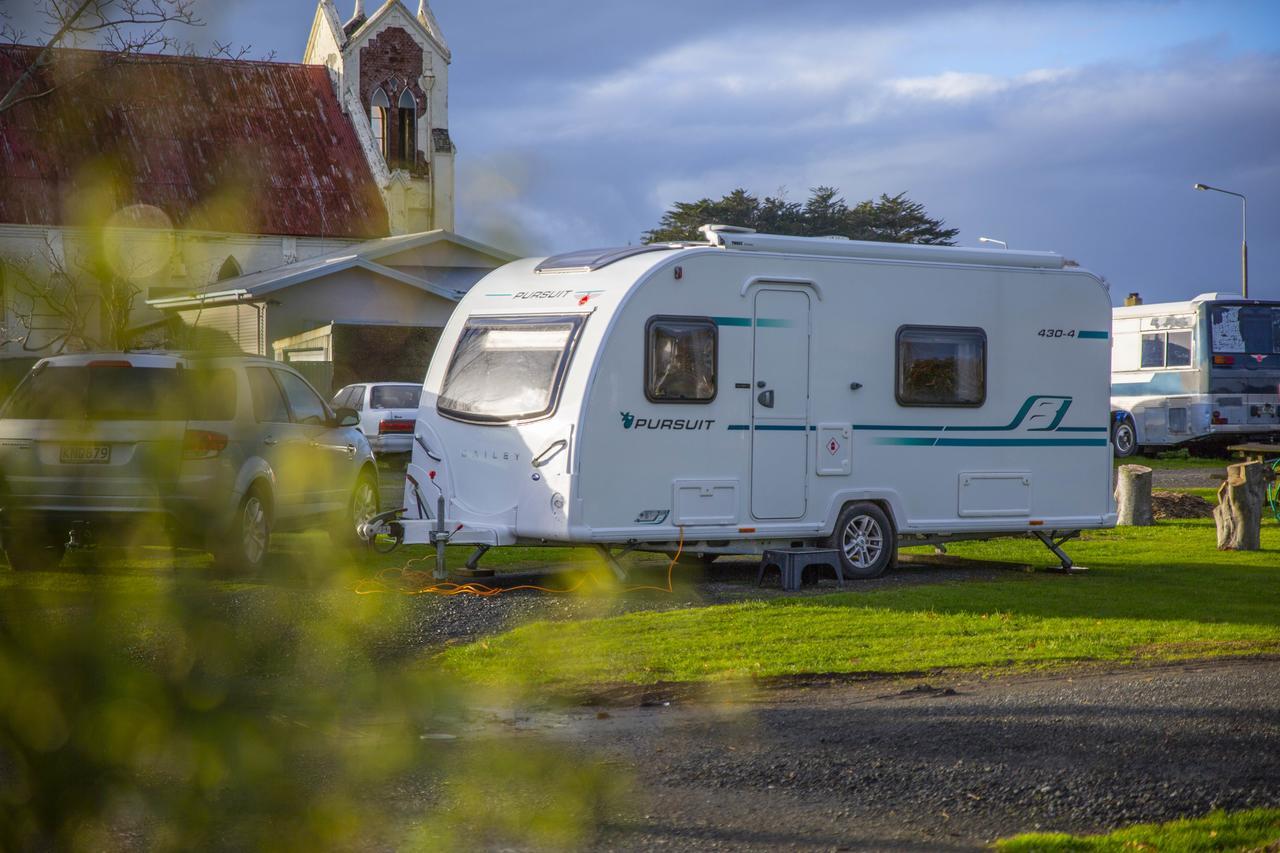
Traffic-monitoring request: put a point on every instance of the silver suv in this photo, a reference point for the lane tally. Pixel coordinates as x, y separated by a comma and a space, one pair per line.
218, 452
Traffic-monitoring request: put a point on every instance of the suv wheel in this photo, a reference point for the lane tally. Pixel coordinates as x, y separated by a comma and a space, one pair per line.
28, 553
249, 536
361, 506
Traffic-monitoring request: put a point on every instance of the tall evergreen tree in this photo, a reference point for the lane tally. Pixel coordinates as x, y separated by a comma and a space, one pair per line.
892, 219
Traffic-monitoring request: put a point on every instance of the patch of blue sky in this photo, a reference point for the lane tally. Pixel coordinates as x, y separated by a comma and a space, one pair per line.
1006, 41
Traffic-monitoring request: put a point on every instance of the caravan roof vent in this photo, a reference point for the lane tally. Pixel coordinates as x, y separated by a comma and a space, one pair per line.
587, 260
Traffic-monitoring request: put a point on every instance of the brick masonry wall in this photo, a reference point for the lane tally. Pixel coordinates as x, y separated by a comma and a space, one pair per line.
393, 60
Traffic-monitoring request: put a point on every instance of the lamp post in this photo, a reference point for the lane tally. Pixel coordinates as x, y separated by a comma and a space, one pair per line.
1001, 243
1244, 234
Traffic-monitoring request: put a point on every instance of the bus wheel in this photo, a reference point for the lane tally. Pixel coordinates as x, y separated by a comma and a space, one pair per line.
1124, 438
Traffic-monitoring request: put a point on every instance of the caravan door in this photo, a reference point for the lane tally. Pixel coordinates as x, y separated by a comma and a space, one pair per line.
780, 404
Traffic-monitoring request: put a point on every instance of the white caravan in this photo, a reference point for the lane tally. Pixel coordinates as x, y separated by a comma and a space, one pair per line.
760, 391
1198, 371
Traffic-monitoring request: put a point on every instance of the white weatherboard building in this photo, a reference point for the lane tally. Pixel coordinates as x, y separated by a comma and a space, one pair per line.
246, 180
761, 391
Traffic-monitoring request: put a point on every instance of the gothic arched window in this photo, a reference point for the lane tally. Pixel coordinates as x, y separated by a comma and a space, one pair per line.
379, 107
230, 268
407, 128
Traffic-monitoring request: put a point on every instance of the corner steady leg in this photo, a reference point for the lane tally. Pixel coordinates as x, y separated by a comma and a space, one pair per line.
612, 562
474, 559
1056, 548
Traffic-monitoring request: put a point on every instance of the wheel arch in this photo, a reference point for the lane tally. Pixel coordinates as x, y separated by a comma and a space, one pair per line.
1118, 415
887, 499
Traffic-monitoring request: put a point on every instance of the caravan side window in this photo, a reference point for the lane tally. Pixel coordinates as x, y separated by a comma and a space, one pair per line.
680, 360
941, 366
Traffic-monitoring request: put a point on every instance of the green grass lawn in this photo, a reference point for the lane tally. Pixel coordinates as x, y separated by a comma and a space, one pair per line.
1176, 459
1248, 830
1159, 593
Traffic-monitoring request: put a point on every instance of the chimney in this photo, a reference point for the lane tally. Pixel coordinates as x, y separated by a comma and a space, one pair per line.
1132, 299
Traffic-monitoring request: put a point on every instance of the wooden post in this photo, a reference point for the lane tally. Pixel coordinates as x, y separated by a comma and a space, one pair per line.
1133, 496
1238, 514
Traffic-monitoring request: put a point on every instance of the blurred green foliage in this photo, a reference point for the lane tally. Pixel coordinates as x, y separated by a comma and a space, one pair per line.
146, 710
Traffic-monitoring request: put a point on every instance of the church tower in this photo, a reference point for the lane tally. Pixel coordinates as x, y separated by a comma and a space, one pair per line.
390, 69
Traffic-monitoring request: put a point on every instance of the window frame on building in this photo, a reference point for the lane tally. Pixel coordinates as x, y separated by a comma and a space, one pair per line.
379, 112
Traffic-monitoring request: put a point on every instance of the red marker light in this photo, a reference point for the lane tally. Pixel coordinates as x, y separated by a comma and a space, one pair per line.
583, 300
431, 474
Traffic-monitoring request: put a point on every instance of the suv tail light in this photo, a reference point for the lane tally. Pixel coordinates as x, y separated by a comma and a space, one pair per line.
396, 427
202, 444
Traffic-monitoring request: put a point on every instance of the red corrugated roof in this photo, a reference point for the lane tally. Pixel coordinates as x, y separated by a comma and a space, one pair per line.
223, 145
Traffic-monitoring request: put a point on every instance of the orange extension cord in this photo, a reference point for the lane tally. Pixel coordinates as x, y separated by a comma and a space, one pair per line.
409, 581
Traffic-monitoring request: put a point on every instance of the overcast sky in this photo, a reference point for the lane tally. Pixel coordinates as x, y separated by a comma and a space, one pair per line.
1073, 126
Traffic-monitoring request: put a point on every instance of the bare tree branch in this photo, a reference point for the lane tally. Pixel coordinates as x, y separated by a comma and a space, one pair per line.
65, 305
119, 28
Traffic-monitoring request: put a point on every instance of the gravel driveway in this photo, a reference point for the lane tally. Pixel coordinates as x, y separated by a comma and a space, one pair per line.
940, 764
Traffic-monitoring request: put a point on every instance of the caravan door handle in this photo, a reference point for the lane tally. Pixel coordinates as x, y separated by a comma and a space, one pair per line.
765, 398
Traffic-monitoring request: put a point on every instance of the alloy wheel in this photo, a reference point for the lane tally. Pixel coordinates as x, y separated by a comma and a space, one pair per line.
862, 541
254, 530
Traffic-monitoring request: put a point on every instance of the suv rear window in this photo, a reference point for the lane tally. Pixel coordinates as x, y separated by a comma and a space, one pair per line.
116, 392
395, 396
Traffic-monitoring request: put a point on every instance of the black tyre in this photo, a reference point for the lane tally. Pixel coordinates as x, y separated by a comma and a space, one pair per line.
866, 540
28, 553
1124, 438
245, 546
363, 504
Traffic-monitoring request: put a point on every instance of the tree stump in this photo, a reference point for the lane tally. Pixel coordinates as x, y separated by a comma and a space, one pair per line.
1238, 514
1133, 496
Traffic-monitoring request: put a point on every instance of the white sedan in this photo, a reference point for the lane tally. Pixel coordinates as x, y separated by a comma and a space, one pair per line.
387, 410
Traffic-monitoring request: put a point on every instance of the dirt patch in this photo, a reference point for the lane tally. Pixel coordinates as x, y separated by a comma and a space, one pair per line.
1169, 505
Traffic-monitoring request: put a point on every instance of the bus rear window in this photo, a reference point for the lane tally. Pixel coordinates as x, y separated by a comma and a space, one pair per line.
508, 368
1248, 329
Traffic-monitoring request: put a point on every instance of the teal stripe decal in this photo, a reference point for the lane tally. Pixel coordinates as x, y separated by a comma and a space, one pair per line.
1081, 429
763, 322
1096, 335
926, 441
775, 427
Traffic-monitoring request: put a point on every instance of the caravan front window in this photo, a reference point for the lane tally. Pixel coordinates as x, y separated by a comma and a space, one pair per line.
508, 368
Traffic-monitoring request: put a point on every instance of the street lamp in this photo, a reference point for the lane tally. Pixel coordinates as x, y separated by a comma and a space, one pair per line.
1003, 244
1244, 234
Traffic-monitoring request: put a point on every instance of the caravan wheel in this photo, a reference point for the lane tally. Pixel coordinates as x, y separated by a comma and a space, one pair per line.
866, 541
